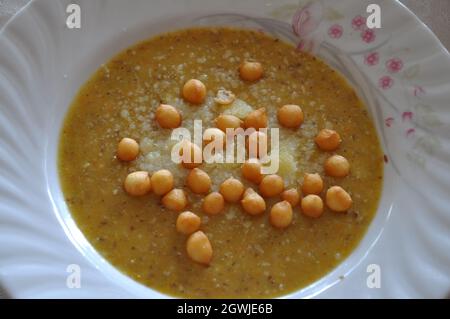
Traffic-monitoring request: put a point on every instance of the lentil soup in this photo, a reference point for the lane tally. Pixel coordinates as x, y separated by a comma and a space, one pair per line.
253, 255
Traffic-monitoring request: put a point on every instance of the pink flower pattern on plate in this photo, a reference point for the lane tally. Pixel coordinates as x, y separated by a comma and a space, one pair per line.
407, 116
306, 20
368, 35
305, 45
335, 31
418, 91
386, 82
394, 65
305, 23
389, 121
410, 132
358, 22
372, 58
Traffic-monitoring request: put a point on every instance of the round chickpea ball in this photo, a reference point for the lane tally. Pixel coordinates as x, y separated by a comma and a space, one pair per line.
225, 121
249, 191
251, 170
292, 196
253, 203
290, 116
198, 248
194, 157
175, 200
312, 184
213, 203
256, 119
198, 181
127, 150
337, 166
251, 71
258, 144
162, 181
188, 222
281, 214
232, 190
194, 91
312, 206
271, 185
168, 116
214, 134
328, 140
338, 199
137, 183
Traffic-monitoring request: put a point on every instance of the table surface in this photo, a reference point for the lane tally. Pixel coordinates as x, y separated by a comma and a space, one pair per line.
434, 13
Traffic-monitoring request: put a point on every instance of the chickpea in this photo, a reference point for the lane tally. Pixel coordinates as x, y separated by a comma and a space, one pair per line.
224, 97
281, 214
253, 203
271, 185
312, 206
167, 116
338, 199
128, 149
251, 170
225, 121
199, 248
213, 203
256, 119
198, 181
249, 191
212, 134
187, 223
337, 166
195, 156
328, 140
194, 91
312, 184
175, 200
251, 71
162, 181
290, 116
137, 183
292, 196
258, 144
232, 190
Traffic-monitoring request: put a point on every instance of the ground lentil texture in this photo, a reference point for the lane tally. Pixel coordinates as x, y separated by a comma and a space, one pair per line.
251, 258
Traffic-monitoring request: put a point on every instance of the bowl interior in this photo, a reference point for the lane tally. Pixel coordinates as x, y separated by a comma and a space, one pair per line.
81, 66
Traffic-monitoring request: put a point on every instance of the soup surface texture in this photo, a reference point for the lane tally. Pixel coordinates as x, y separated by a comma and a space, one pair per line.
251, 258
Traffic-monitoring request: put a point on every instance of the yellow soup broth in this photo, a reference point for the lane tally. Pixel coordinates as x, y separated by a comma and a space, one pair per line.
251, 258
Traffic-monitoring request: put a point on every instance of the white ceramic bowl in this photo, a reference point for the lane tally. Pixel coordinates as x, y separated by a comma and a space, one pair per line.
401, 71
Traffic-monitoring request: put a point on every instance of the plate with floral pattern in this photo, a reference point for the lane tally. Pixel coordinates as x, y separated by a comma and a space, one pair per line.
400, 70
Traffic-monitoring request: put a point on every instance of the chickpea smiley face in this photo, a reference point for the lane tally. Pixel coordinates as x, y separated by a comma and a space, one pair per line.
251, 71
199, 249
213, 203
290, 116
194, 91
138, 183
188, 223
127, 150
271, 185
168, 116
175, 200
198, 181
281, 214
328, 140
337, 166
338, 199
